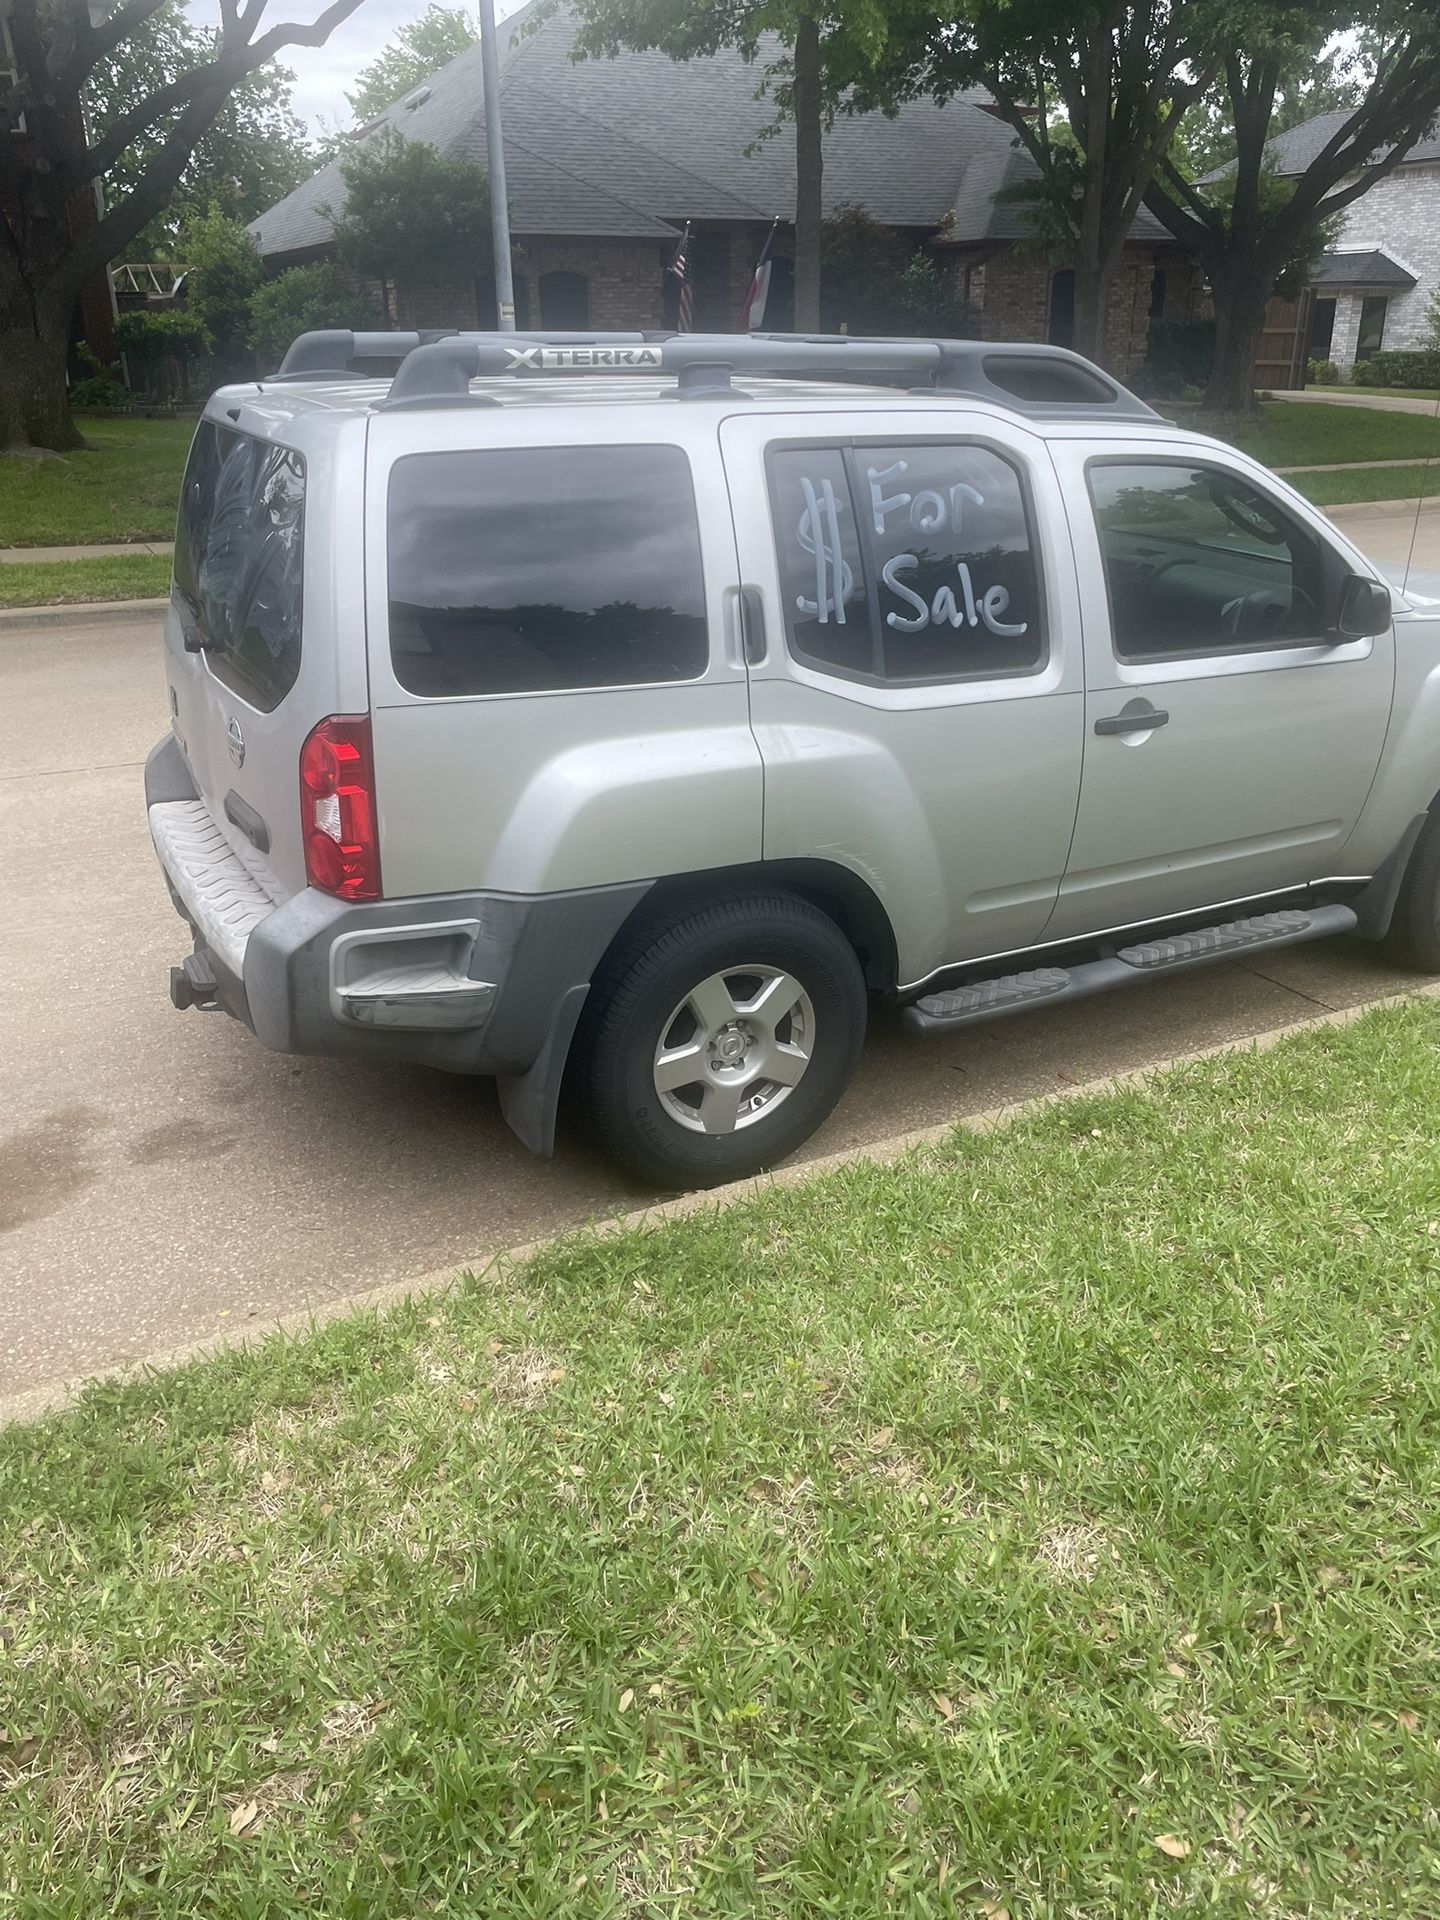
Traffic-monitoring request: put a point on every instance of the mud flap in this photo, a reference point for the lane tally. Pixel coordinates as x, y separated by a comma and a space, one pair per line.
530, 1101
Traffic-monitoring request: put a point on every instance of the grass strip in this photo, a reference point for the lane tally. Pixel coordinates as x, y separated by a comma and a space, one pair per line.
1297, 433
49, 583
1046, 1520
1369, 483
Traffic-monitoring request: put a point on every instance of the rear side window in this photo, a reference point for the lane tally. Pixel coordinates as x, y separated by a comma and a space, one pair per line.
530, 570
239, 552
904, 563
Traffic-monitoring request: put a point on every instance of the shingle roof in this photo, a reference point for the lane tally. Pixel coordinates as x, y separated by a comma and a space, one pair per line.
1292, 152
1372, 269
632, 146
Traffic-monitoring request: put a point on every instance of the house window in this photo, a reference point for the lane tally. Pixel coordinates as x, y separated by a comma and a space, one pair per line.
564, 301
1061, 329
1157, 294
1322, 328
1372, 325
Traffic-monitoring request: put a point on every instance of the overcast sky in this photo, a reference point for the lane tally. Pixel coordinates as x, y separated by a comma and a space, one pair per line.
322, 74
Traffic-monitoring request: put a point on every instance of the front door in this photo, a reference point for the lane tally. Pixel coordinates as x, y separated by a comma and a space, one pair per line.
1230, 741
915, 668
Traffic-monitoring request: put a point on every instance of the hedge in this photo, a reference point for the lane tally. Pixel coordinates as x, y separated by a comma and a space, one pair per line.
1405, 367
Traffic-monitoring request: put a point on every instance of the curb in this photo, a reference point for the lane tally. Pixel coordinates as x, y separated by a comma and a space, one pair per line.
80, 613
31, 1403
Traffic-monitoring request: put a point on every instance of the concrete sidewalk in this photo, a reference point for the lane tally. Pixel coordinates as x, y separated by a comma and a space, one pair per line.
1358, 397
115, 550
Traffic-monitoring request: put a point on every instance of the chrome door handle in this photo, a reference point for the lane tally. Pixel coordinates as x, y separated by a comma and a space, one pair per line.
1135, 717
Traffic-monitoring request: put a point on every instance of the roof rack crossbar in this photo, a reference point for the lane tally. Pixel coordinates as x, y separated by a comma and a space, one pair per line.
326, 353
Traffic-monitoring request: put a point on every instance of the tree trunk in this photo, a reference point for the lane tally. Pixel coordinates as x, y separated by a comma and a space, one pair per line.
1092, 298
1239, 317
34, 403
808, 164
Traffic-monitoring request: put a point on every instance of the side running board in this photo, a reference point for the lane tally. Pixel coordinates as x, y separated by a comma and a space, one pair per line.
978, 1000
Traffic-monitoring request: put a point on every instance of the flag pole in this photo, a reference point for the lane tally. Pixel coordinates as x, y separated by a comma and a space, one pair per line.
495, 157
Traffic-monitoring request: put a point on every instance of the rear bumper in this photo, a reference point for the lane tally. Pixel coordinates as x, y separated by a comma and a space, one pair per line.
468, 982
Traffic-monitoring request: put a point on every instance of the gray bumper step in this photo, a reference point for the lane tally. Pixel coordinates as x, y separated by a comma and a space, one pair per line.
978, 1000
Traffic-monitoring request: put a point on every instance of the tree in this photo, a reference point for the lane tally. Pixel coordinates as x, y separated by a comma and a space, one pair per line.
1332, 82
1246, 228
813, 56
298, 300
48, 250
253, 155
421, 47
410, 213
225, 270
1117, 79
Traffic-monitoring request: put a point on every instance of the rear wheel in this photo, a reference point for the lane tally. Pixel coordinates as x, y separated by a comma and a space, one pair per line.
1414, 935
715, 1045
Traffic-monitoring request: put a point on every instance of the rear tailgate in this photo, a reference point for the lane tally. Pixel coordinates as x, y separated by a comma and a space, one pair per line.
274, 632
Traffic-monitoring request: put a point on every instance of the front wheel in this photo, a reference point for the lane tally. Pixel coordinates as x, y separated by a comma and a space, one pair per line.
715, 1045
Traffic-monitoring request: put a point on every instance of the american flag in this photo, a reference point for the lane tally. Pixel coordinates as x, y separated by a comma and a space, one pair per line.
685, 302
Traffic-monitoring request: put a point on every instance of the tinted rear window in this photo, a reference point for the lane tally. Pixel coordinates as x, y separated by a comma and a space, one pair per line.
239, 550
532, 569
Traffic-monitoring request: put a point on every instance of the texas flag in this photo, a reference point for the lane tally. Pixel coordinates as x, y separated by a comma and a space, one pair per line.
752, 311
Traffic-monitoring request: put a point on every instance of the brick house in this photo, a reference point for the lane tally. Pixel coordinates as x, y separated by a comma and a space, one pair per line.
607, 160
1372, 288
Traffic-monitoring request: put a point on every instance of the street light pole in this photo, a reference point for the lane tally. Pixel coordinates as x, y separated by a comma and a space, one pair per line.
495, 156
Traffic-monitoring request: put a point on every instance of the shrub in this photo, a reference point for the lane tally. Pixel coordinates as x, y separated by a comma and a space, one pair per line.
300, 299
1183, 347
99, 394
1327, 374
1403, 367
872, 282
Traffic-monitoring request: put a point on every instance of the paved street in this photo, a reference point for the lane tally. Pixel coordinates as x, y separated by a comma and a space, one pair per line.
162, 1177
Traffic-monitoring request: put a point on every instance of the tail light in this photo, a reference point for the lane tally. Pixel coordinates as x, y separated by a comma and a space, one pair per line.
337, 809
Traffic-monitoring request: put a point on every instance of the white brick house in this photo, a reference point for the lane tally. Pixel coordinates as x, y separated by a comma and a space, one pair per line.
1372, 289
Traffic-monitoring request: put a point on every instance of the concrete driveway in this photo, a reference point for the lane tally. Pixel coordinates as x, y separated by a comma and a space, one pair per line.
163, 1178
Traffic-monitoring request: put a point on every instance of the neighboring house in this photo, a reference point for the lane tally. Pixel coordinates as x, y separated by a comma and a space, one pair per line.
607, 160
1371, 290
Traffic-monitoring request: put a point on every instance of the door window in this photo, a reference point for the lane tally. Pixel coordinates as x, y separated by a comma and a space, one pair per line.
907, 562
533, 569
1199, 562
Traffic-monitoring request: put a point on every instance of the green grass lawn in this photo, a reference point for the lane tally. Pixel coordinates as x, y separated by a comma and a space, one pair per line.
1045, 1522
132, 576
1292, 433
124, 486
1368, 483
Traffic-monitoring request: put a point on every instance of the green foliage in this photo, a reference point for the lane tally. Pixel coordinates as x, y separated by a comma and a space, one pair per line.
253, 155
411, 214
1402, 367
100, 393
1312, 82
151, 332
225, 270
873, 282
421, 47
1327, 374
1432, 323
1178, 351
297, 301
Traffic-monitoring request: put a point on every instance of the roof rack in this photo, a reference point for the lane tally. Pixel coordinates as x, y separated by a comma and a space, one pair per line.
437, 369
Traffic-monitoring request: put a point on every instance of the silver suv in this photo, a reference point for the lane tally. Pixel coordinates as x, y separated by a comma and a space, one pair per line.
619, 713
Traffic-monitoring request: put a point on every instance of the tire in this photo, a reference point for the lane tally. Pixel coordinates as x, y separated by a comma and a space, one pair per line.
1414, 935
790, 998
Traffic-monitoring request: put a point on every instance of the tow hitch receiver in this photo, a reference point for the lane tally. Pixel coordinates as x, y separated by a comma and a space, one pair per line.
194, 985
